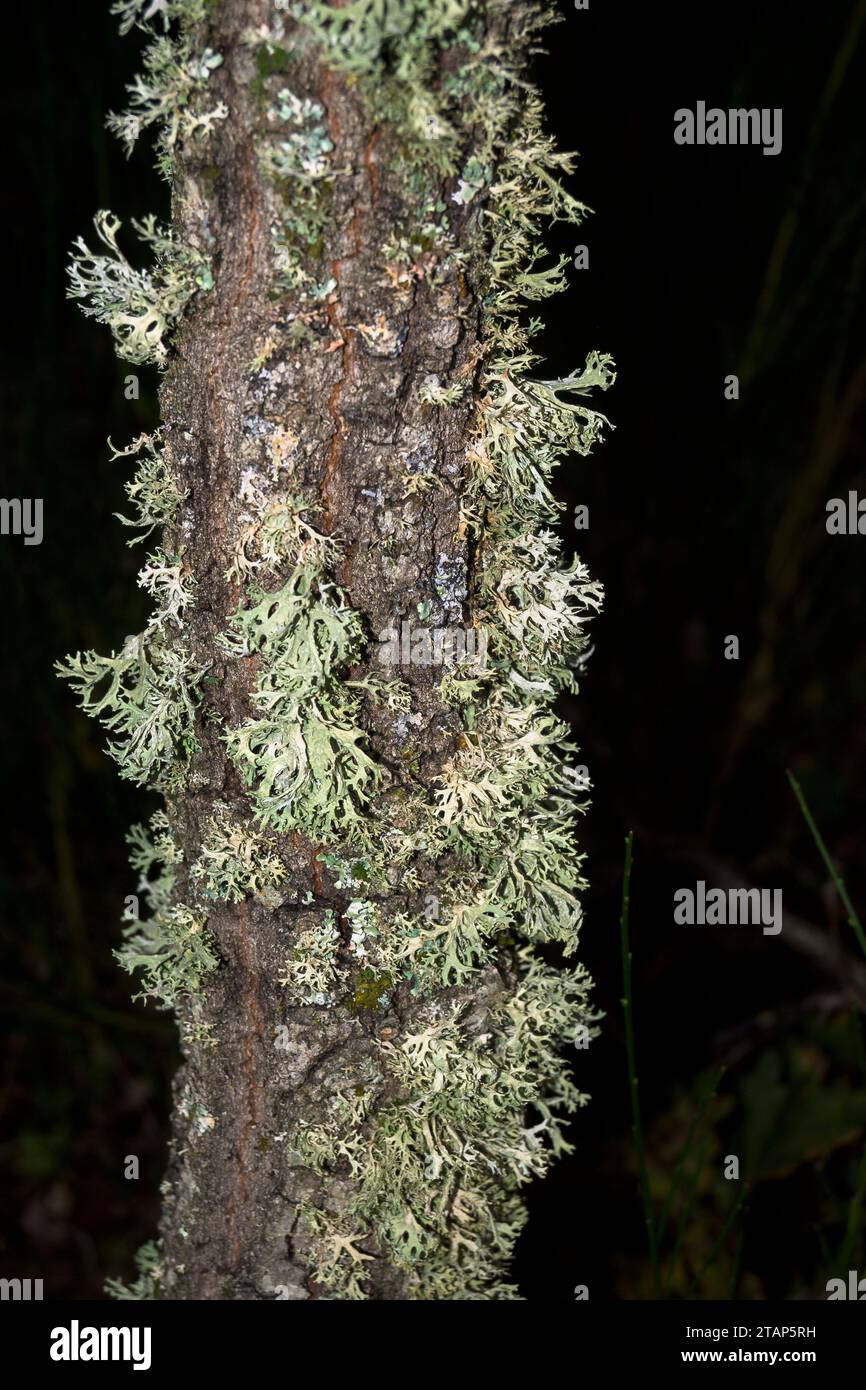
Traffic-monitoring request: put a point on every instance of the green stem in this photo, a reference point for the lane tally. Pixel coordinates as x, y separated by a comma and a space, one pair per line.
717, 1245
853, 919
738, 1263
637, 1130
683, 1219
694, 1126
855, 1206
859, 1041
855, 1216
823, 1246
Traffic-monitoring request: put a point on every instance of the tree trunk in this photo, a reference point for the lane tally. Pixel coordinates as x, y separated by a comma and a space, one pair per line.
369, 825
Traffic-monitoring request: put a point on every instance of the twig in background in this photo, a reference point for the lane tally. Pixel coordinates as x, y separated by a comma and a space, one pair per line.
837, 878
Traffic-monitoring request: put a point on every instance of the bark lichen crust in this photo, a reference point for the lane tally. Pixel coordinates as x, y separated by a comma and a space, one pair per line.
363, 893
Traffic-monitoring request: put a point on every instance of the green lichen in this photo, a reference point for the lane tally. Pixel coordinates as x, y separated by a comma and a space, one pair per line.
375, 39
276, 534
171, 947
167, 580
437, 896
173, 72
139, 306
430, 1169
151, 1272
483, 1091
312, 971
147, 693
172, 951
301, 151
154, 491
304, 757
139, 13
296, 159
235, 862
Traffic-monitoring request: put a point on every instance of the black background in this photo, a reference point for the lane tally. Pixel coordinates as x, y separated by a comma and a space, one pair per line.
706, 519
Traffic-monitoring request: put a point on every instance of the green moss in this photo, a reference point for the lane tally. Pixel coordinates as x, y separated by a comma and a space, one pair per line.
372, 991
209, 173
271, 60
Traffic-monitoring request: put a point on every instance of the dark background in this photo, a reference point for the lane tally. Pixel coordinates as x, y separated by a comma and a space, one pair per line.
706, 519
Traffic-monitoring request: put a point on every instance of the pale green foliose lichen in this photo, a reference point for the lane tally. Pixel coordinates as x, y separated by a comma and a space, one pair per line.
173, 72
296, 159
151, 1272
235, 862
153, 491
304, 756
311, 972
147, 693
139, 306
171, 947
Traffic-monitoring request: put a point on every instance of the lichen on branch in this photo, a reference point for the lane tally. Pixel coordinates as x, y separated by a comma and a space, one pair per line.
386, 862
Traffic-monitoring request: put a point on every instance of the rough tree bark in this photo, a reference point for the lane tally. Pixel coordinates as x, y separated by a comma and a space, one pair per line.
346, 410
351, 441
